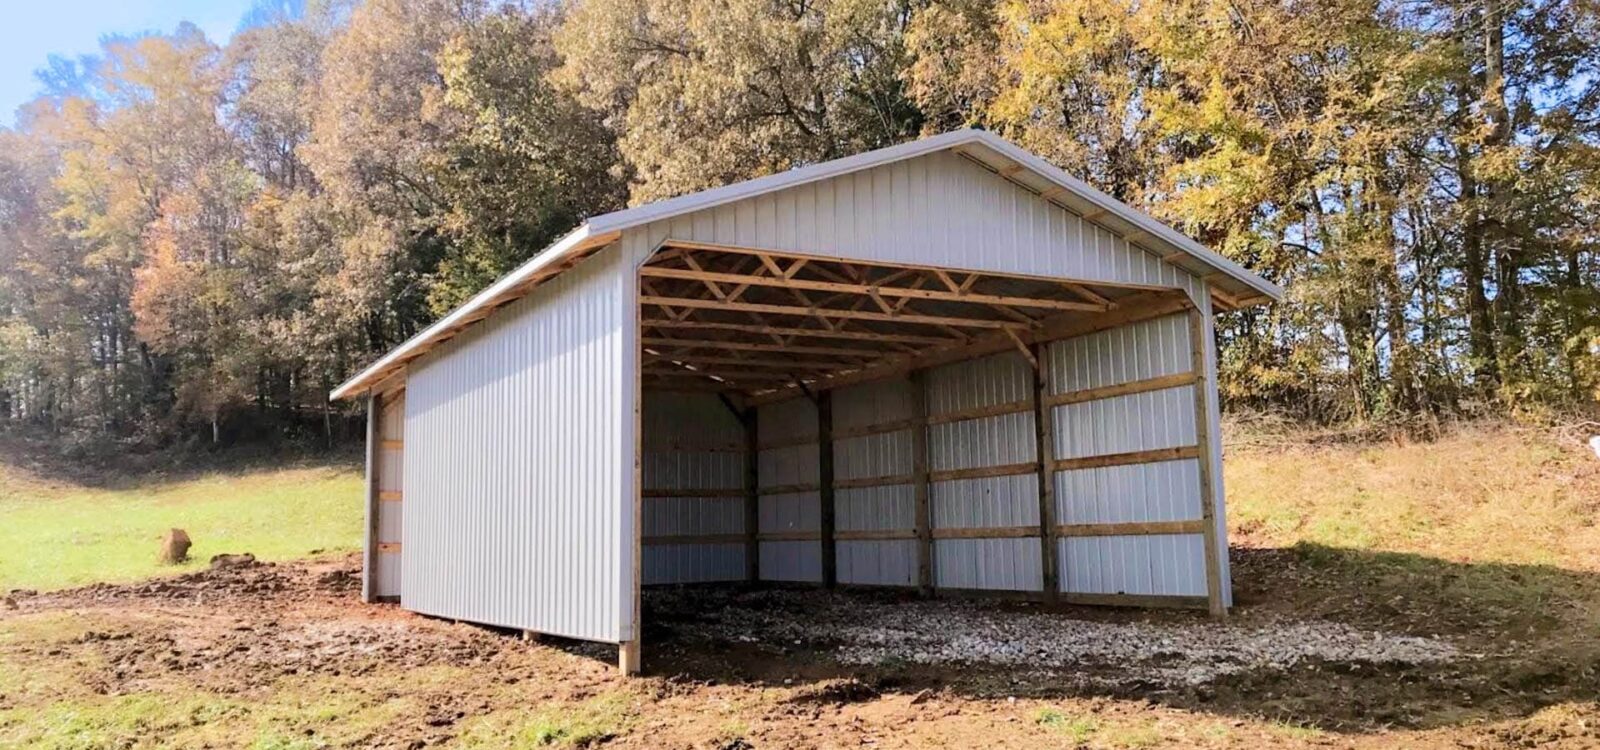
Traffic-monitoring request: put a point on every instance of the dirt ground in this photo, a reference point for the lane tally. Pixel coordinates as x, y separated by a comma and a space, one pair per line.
287, 652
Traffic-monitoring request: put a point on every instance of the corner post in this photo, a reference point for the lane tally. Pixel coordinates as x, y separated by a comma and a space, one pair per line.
1044, 443
830, 561
628, 658
1204, 392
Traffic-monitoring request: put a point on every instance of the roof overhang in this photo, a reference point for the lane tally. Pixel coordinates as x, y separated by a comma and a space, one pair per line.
1227, 280
566, 252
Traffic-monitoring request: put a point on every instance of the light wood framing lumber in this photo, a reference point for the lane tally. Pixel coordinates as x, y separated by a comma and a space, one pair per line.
1132, 457
1208, 501
1123, 389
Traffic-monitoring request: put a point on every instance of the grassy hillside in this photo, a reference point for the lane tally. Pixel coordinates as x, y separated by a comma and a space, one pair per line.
1487, 494
56, 533
1489, 526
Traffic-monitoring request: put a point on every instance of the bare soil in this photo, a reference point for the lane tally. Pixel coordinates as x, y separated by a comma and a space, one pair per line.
1312, 665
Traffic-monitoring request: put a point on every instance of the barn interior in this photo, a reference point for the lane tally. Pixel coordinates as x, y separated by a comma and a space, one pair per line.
845, 423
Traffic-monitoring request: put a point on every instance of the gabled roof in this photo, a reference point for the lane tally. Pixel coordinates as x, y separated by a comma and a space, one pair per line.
1015, 164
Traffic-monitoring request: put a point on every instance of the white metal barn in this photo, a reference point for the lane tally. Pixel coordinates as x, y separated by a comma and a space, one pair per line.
945, 365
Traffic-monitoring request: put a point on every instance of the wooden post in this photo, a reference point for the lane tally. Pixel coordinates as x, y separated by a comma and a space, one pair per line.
919, 476
1204, 391
369, 568
628, 658
1044, 442
752, 495
830, 562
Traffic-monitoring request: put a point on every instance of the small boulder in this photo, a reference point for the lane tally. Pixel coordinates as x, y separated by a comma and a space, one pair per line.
232, 561
175, 546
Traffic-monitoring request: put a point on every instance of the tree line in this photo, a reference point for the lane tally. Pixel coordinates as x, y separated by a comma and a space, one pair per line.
198, 239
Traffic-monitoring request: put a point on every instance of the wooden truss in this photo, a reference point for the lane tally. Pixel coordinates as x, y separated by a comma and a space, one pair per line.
770, 325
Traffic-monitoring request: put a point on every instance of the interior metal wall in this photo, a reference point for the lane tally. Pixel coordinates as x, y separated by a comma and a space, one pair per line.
1009, 564
692, 442
878, 562
787, 434
520, 462
1171, 564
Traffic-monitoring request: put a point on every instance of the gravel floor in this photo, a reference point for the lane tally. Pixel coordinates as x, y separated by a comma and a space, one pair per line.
868, 630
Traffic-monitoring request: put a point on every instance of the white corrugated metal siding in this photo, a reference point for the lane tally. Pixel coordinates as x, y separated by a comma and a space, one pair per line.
1164, 491
1010, 564
788, 435
692, 442
519, 440
934, 210
879, 562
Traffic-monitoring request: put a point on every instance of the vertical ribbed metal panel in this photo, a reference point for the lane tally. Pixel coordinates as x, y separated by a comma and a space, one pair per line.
692, 442
790, 464
934, 210
519, 439
887, 507
1165, 491
1011, 564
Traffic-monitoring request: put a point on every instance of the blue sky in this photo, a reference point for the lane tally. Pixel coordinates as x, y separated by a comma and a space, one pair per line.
35, 29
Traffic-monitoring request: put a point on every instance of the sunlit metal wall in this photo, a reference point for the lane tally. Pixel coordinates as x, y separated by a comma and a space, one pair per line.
693, 469
519, 463
934, 210
1172, 564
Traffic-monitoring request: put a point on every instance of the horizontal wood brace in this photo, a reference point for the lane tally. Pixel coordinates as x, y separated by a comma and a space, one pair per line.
874, 429
663, 493
874, 535
789, 489
391, 444
389, 495
984, 472
1133, 528
1122, 389
1134, 457
788, 442
694, 448
987, 532
663, 539
885, 481
979, 412
789, 536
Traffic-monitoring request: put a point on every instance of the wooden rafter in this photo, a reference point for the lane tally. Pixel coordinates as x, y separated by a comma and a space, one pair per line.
712, 278
761, 323
824, 312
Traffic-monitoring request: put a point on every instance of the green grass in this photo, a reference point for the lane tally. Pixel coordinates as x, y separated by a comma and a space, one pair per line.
587, 724
56, 536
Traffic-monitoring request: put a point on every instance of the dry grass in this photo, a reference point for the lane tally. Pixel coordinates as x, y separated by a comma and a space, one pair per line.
1484, 493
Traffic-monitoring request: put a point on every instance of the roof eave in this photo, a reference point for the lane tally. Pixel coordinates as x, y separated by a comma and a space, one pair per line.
574, 241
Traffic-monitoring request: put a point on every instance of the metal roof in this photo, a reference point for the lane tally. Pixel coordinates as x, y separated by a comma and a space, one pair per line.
993, 152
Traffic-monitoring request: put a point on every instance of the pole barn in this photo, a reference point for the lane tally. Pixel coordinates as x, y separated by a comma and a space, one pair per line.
945, 366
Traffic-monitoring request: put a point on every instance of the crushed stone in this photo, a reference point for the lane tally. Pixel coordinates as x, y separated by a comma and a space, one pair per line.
1174, 652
